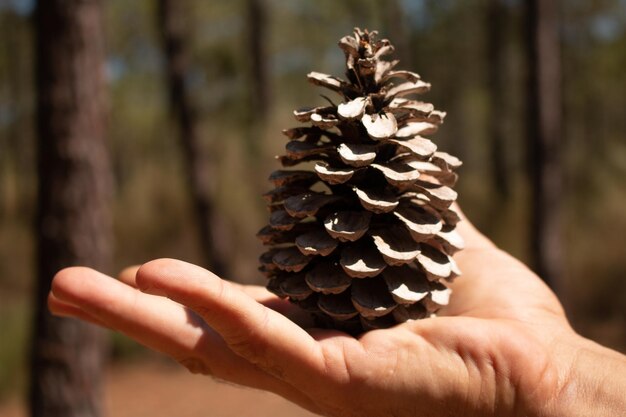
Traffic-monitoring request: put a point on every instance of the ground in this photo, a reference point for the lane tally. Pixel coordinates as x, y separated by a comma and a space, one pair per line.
163, 390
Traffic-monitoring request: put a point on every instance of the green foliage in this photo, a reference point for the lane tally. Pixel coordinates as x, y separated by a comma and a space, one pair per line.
14, 336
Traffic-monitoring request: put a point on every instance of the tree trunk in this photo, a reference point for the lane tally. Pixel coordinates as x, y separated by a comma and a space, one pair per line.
73, 220
397, 30
172, 24
496, 21
259, 100
257, 33
544, 139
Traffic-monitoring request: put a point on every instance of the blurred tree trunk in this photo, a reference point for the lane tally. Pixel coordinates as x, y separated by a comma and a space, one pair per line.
73, 221
173, 27
259, 98
397, 31
496, 24
544, 139
257, 40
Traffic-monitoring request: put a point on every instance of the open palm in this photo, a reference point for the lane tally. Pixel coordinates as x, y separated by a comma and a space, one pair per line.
500, 348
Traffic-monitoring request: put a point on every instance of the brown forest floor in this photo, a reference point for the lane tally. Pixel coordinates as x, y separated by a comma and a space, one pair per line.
164, 390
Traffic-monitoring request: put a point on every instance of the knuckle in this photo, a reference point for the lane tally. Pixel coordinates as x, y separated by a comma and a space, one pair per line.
202, 311
249, 347
141, 276
196, 366
252, 344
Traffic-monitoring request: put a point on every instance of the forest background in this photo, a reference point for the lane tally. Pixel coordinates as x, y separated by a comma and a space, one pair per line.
246, 73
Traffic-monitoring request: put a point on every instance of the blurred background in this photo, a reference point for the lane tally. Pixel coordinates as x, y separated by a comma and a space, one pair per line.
175, 117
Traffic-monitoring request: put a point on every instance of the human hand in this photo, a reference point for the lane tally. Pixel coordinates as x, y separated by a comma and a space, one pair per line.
503, 346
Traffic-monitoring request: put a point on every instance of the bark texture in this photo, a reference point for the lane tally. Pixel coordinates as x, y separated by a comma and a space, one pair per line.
257, 34
173, 27
73, 221
545, 139
496, 31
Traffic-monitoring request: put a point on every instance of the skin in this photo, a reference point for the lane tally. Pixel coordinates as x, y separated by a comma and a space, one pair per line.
502, 348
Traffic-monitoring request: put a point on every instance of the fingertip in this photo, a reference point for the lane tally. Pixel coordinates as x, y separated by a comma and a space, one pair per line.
162, 276
67, 279
62, 309
150, 274
59, 308
55, 305
128, 275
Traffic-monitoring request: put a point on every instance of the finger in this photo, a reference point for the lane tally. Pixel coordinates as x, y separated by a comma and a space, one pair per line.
263, 296
127, 310
280, 305
160, 324
59, 308
260, 294
262, 336
128, 274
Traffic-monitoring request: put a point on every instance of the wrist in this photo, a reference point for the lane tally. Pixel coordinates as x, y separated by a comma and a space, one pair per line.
593, 382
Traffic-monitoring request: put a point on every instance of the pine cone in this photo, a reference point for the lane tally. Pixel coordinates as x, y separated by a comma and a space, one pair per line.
364, 239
